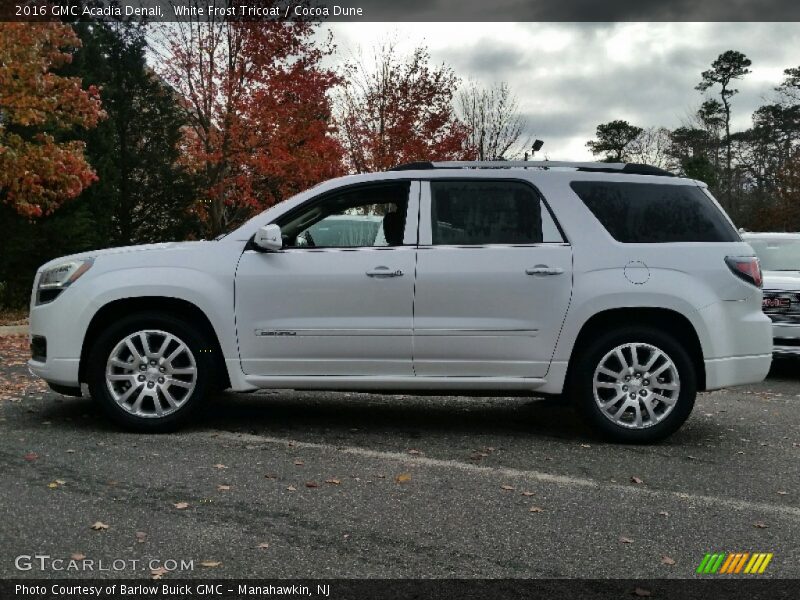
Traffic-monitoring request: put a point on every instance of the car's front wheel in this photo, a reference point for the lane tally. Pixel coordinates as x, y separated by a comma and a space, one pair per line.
150, 371
636, 384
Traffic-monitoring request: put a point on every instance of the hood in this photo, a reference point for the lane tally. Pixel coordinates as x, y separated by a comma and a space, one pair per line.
782, 280
126, 249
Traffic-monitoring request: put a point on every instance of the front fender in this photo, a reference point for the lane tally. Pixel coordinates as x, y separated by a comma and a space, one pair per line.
211, 294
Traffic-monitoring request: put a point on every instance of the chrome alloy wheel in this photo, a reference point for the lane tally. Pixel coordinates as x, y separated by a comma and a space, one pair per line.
636, 385
151, 373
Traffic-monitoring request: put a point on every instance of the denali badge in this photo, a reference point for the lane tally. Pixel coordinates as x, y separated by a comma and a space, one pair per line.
273, 332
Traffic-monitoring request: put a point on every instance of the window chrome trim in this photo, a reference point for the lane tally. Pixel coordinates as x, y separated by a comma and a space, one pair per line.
346, 249
490, 246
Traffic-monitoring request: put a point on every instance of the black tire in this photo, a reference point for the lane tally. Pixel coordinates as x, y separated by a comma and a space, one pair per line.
190, 335
581, 387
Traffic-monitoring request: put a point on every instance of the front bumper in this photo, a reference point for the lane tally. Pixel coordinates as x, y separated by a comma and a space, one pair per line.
61, 371
61, 326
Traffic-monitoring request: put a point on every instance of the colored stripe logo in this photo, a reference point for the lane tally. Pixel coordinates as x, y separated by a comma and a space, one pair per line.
734, 563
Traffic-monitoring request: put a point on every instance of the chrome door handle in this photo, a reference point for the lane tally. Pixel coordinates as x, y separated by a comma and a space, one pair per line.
384, 272
544, 270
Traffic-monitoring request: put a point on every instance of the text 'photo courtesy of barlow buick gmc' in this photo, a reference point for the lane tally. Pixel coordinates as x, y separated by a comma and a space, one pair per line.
617, 287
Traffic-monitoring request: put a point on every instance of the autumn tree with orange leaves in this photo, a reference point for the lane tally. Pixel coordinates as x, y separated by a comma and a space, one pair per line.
40, 167
260, 120
398, 110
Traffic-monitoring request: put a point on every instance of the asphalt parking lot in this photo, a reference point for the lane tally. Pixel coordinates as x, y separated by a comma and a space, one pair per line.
308, 484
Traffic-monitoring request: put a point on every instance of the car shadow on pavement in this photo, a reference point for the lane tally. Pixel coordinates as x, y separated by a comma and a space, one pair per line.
302, 415
298, 414
288, 412
785, 368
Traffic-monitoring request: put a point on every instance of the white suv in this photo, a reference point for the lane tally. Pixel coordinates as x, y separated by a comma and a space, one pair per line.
625, 289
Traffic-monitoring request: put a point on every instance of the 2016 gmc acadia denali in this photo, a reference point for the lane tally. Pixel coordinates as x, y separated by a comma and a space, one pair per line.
623, 289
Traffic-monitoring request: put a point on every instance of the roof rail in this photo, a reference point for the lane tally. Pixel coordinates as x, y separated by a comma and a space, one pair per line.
597, 167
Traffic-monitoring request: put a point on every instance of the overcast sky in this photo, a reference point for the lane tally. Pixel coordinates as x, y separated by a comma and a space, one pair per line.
570, 77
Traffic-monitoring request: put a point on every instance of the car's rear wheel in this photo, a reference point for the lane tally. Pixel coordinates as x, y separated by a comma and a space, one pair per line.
636, 384
150, 371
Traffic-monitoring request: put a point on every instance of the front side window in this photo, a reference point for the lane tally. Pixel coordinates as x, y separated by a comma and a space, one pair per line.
646, 213
468, 213
366, 216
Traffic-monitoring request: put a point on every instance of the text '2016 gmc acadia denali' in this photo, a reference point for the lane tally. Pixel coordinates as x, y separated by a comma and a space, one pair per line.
622, 288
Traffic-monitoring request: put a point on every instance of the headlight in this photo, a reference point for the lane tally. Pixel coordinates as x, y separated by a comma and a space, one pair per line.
54, 280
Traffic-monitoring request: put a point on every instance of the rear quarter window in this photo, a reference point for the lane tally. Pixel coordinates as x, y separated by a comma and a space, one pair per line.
645, 213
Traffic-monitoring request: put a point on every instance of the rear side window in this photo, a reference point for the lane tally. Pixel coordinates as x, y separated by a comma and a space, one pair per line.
468, 213
645, 213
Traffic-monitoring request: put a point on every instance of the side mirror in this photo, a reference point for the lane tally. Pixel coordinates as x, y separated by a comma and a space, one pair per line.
269, 238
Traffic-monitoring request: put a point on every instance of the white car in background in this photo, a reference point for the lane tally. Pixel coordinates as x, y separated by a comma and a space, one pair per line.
779, 254
624, 288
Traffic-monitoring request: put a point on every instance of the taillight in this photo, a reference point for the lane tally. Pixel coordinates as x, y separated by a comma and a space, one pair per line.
747, 268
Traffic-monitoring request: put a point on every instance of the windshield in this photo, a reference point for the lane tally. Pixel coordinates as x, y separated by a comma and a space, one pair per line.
777, 254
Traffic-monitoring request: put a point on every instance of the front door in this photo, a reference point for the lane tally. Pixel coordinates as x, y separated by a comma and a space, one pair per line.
494, 280
338, 300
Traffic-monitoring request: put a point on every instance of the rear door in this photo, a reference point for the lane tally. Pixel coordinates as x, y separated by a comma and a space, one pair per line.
494, 280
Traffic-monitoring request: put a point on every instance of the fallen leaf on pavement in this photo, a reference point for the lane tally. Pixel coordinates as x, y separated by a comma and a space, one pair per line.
223, 488
663, 513
31, 456
333, 481
625, 540
760, 524
299, 463
641, 592
181, 505
507, 488
77, 556
291, 488
535, 509
141, 536
666, 560
403, 478
99, 526
220, 466
158, 573
414, 451
210, 564
263, 546
312, 484
782, 493
636, 480
526, 493
585, 446
271, 476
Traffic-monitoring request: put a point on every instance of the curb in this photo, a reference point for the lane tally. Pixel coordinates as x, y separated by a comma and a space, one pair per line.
9, 330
